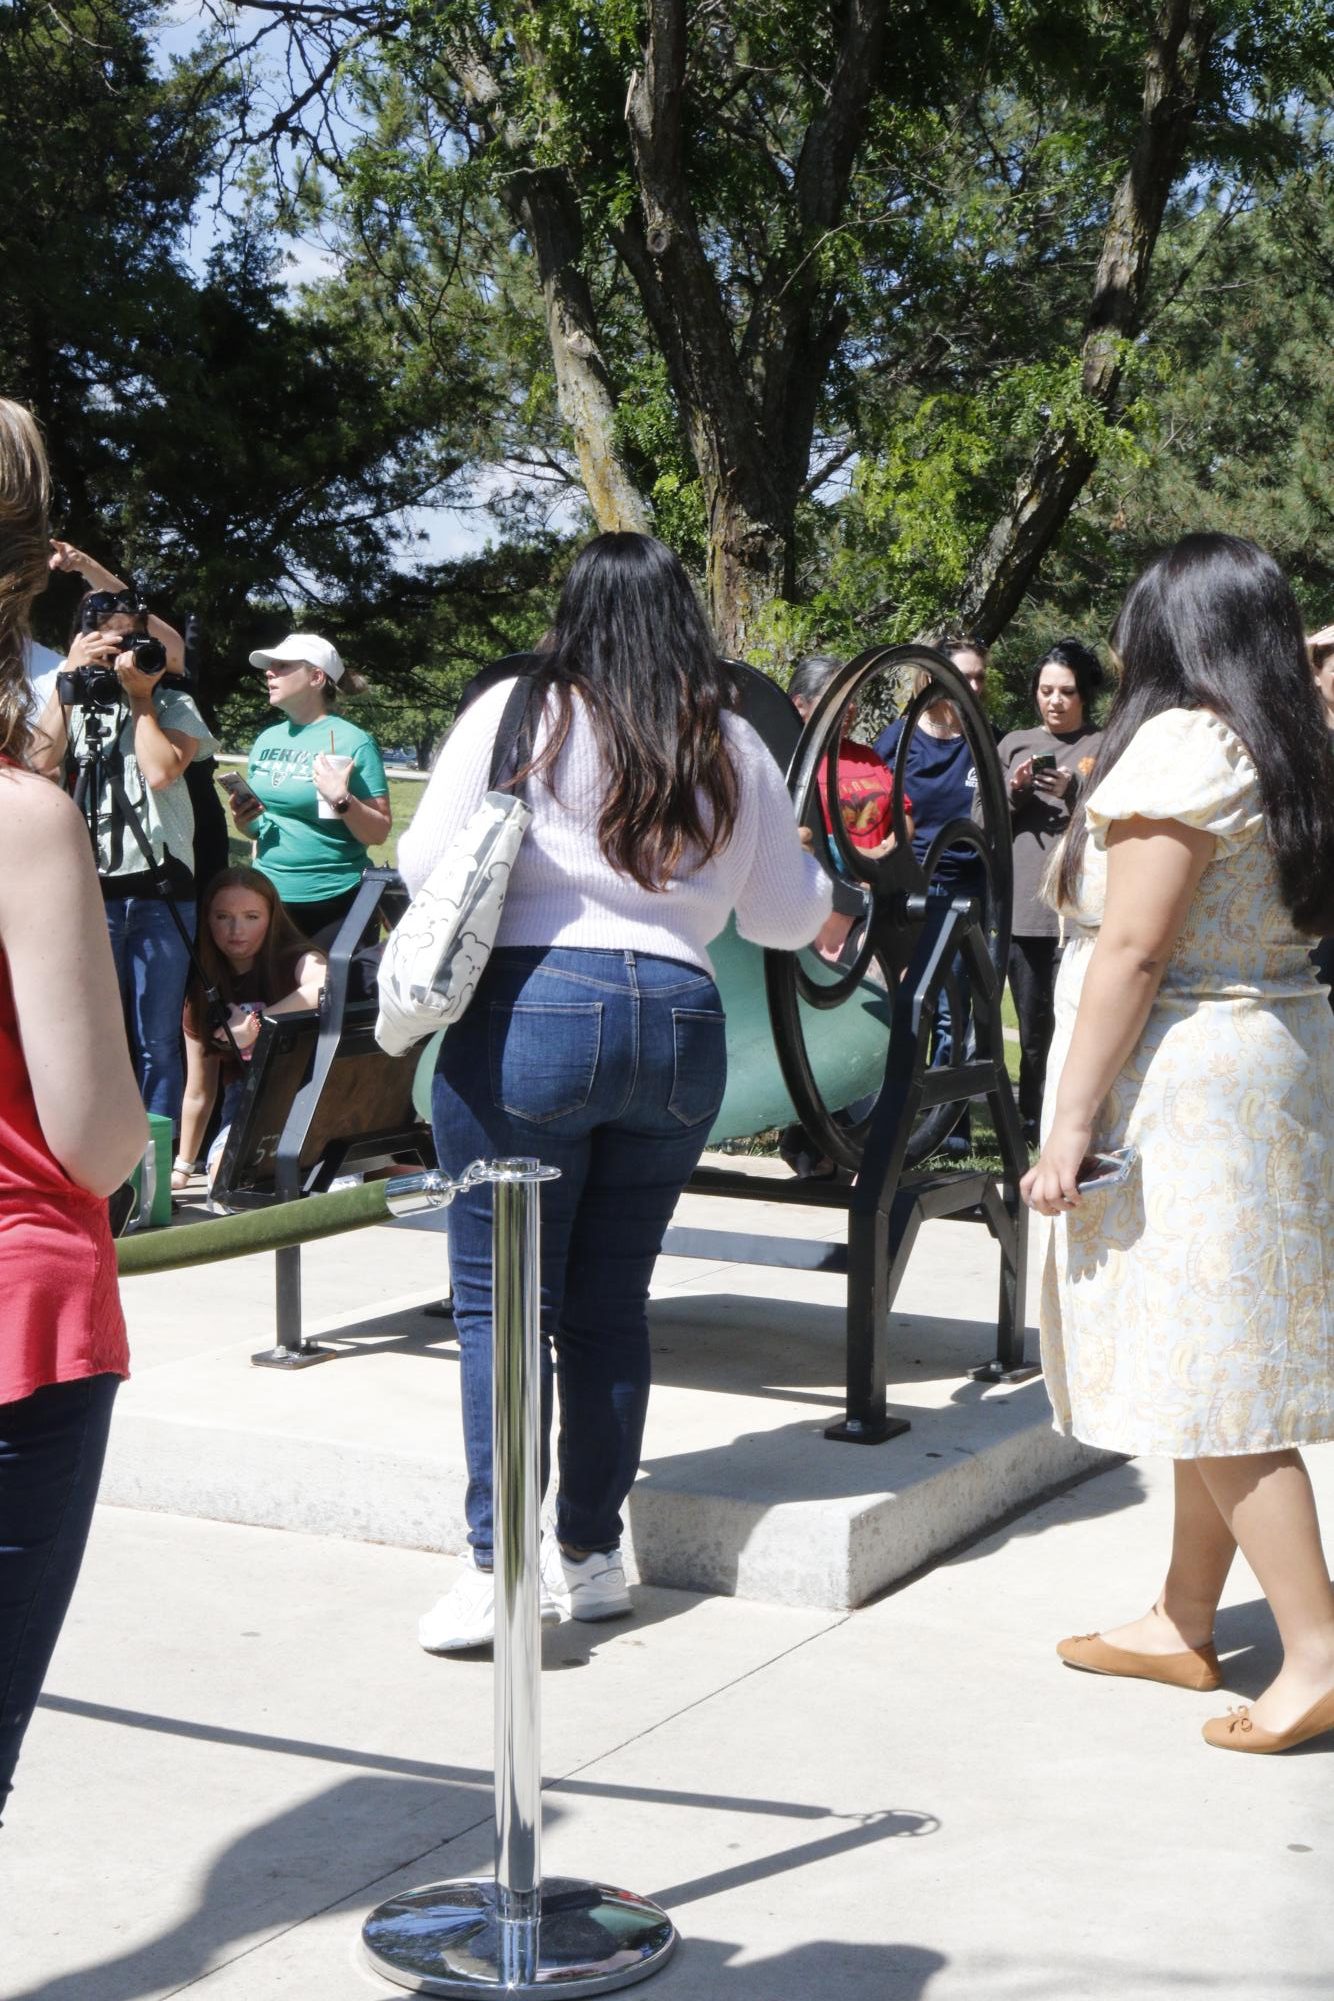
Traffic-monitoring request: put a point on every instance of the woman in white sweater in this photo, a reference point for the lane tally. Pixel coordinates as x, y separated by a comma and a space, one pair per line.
595, 1040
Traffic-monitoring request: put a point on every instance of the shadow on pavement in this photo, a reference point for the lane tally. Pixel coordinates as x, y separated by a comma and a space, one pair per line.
278, 1874
366, 1829
857, 1831
794, 1350
706, 1968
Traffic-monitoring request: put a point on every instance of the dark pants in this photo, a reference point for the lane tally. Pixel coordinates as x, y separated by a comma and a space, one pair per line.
609, 1066
946, 1030
1032, 982
321, 922
52, 1445
152, 966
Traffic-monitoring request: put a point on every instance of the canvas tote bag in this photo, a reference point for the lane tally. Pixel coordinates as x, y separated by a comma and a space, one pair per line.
437, 952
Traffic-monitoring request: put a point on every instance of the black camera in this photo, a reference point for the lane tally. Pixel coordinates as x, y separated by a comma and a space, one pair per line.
99, 686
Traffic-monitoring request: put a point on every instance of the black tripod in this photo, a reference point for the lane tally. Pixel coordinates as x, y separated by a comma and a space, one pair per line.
97, 763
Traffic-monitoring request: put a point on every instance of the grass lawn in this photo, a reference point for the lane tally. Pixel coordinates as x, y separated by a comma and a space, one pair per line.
404, 794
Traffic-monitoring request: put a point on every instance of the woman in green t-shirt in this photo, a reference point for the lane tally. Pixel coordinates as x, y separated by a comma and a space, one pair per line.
320, 796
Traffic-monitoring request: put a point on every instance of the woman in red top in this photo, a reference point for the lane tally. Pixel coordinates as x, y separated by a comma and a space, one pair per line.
865, 782
71, 1127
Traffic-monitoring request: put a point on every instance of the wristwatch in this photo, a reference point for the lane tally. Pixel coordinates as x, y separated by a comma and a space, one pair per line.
344, 804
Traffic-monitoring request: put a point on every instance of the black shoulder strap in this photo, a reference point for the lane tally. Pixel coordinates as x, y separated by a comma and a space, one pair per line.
514, 738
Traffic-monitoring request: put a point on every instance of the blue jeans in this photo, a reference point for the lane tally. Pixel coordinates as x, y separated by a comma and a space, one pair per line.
152, 965
52, 1445
943, 1051
611, 1067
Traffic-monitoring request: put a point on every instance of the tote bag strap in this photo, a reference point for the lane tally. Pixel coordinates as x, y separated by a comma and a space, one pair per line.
514, 738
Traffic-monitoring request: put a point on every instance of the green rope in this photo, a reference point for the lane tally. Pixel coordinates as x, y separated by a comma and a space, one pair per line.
269, 1229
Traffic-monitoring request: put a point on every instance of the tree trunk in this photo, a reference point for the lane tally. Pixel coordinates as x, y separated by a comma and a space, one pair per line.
747, 569
748, 523
543, 204
1064, 462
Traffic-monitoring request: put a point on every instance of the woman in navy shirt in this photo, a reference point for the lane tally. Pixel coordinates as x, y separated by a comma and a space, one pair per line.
939, 777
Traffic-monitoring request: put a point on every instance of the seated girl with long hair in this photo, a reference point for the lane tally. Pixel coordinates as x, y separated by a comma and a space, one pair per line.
260, 964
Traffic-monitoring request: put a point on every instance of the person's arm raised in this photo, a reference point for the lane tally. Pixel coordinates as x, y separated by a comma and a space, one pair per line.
163, 754
71, 1025
78, 563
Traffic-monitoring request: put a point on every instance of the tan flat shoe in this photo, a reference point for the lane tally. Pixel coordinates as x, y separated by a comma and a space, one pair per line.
1238, 1730
1197, 1668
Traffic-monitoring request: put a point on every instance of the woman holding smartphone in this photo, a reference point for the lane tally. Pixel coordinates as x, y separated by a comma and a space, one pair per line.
316, 798
71, 1128
1188, 1312
1044, 769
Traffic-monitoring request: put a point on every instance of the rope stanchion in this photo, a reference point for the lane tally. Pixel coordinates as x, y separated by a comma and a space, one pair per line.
514, 1933
284, 1224
283, 1229
271, 1229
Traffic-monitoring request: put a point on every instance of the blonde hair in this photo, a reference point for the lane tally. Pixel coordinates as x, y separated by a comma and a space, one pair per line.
25, 545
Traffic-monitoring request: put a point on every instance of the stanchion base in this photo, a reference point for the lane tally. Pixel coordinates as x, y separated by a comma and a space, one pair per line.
446, 1939
866, 1431
994, 1372
304, 1357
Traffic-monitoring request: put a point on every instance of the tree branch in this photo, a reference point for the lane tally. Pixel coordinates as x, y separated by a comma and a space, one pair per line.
748, 513
544, 204
1174, 70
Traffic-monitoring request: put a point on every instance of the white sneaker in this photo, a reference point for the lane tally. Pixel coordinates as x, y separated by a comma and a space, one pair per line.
593, 1587
466, 1616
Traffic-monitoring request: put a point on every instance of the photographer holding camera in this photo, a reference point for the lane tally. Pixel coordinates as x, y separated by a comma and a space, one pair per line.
123, 726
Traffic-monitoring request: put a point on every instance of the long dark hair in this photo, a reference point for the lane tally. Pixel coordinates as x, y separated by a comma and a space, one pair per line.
1213, 624
631, 639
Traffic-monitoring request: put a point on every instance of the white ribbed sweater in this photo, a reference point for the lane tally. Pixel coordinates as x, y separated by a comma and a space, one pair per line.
564, 891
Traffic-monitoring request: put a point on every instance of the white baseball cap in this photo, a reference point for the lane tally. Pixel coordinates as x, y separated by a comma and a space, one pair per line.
304, 646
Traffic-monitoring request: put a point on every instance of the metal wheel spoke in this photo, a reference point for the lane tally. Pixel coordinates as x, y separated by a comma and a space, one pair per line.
889, 935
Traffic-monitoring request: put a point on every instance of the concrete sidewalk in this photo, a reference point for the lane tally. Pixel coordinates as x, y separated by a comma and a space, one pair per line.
740, 1492
242, 1750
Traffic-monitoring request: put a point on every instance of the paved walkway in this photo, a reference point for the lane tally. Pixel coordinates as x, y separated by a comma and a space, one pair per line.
740, 1492
242, 1750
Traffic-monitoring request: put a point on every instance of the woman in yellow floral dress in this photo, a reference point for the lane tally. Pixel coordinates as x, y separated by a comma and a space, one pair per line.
1190, 1312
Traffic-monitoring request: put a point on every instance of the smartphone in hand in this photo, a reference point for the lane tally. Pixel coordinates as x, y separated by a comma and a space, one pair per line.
1100, 1171
244, 800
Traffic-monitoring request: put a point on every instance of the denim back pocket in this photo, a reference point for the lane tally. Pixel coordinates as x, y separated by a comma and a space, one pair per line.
699, 1076
544, 1058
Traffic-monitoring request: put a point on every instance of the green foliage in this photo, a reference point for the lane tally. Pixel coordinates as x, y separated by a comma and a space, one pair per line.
256, 453
247, 454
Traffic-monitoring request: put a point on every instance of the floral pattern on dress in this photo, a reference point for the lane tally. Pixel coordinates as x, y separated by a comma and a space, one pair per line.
1191, 1312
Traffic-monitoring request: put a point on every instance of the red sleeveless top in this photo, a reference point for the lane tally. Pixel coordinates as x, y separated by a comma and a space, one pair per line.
60, 1315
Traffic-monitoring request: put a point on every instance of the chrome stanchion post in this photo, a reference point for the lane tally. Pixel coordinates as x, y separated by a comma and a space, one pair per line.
517, 1500
514, 1933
